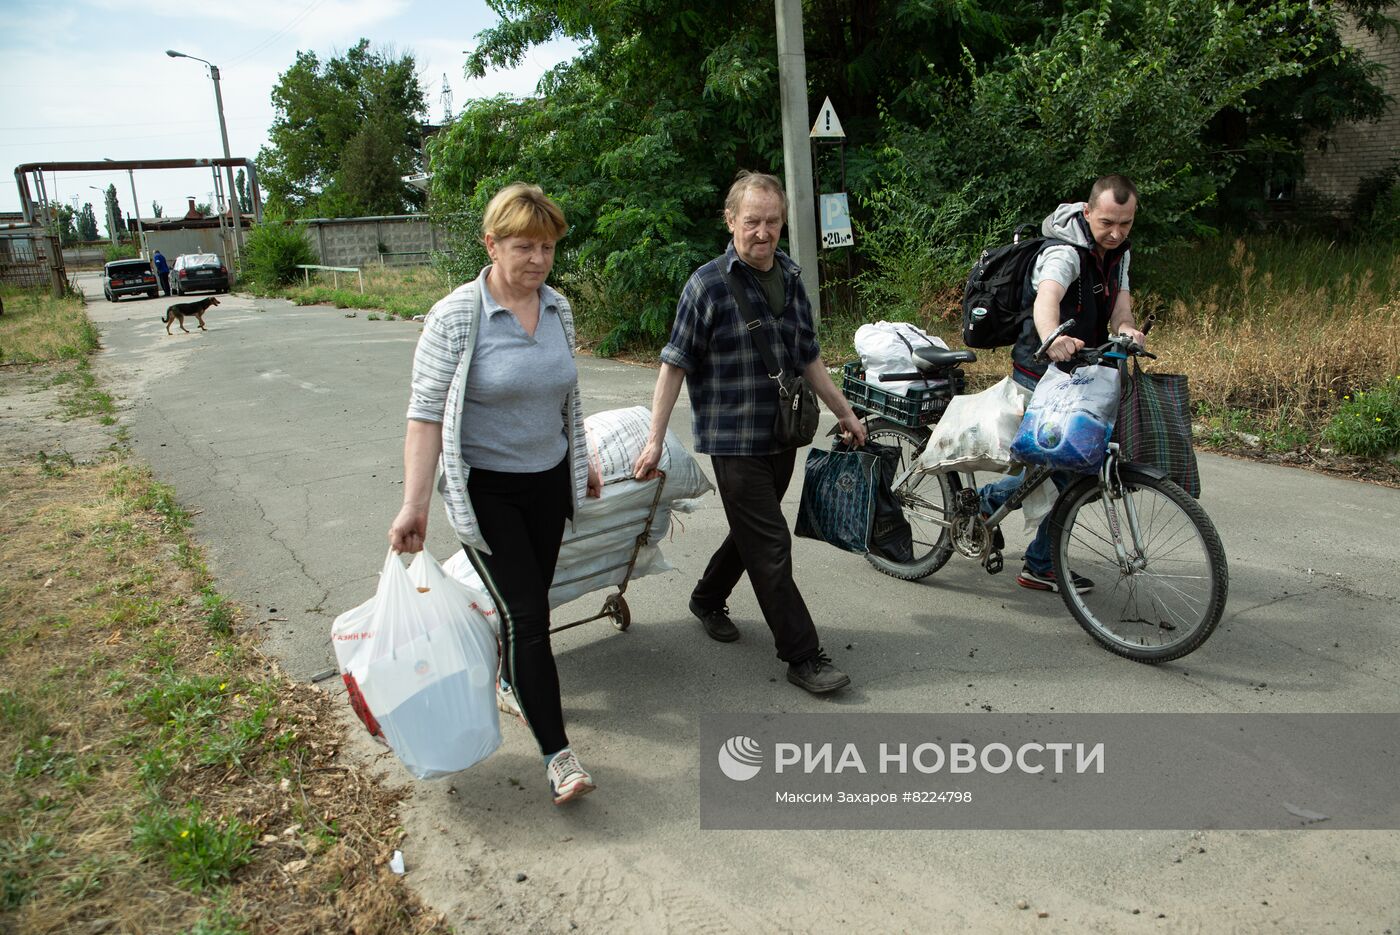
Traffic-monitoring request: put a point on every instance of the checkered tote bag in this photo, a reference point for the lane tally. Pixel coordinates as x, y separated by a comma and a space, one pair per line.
1154, 426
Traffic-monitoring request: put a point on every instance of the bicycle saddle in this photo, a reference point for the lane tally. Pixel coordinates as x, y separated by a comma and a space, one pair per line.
937, 357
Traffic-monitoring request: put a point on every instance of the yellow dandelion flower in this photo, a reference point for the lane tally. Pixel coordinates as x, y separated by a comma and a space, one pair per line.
223, 685
185, 833
1346, 397
1378, 418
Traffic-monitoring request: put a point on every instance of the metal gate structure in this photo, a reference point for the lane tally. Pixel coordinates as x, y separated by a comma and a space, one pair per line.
31, 257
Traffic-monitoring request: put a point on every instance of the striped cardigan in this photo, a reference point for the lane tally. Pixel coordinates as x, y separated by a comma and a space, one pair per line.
440, 367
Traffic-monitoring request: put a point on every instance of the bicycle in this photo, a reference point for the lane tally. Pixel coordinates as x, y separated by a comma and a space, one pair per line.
1157, 562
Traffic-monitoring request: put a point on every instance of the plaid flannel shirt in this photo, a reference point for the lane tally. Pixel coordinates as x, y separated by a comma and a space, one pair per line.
733, 402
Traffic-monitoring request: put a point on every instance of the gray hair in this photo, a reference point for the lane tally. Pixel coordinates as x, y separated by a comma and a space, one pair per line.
747, 181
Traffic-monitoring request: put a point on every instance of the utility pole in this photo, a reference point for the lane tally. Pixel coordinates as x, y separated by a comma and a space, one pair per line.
797, 156
232, 201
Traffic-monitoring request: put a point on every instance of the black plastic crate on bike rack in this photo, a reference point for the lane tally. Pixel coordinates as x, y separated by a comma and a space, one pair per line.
923, 405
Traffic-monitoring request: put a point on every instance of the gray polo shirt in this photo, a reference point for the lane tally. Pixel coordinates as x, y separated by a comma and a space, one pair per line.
517, 385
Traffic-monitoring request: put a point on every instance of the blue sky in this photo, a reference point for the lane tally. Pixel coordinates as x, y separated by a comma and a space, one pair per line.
89, 79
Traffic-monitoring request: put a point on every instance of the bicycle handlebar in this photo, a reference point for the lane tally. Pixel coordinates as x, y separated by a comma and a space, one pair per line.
1119, 343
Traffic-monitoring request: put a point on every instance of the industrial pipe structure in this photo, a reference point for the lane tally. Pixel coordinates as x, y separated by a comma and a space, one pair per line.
26, 200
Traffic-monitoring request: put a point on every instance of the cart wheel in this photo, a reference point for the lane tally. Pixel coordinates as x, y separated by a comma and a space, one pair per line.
616, 607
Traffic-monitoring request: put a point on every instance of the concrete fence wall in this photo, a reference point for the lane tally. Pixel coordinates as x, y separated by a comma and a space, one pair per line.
396, 240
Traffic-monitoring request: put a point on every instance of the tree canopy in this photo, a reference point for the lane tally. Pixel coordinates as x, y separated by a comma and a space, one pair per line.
113, 212
87, 223
962, 116
346, 132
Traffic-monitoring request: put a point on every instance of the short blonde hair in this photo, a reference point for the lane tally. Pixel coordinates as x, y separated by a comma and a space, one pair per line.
747, 181
523, 210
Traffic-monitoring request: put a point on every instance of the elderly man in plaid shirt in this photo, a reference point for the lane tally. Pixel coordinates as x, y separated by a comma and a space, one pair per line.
734, 403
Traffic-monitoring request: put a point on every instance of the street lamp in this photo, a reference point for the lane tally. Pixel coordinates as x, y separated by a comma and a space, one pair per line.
223, 132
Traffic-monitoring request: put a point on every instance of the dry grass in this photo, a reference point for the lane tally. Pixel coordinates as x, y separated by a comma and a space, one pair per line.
37, 327
1268, 353
1284, 352
120, 698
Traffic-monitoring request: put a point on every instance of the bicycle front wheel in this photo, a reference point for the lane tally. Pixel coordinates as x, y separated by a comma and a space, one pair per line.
1167, 598
926, 499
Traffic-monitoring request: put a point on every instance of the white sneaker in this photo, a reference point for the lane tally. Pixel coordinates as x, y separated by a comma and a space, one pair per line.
505, 701
567, 779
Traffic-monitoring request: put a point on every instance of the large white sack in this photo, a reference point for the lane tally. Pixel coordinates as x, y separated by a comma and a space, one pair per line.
615, 439
596, 546
888, 347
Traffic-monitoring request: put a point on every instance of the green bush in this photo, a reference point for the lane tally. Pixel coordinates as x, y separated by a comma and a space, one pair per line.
121, 251
273, 252
1368, 423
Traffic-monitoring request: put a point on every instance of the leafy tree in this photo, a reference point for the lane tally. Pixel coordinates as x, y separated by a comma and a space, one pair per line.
114, 213
240, 185
157, 210
87, 223
62, 226
1276, 122
345, 133
962, 116
205, 209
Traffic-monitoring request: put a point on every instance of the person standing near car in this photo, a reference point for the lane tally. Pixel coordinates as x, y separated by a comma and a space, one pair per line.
734, 402
162, 271
1082, 275
495, 401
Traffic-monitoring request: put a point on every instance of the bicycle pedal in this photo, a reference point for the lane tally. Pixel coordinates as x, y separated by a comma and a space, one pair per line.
994, 564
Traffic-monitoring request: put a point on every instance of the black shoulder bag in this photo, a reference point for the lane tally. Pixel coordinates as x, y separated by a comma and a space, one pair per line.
796, 421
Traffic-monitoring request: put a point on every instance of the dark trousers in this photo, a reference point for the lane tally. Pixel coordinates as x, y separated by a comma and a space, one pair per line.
521, 518
751, 488
165, 283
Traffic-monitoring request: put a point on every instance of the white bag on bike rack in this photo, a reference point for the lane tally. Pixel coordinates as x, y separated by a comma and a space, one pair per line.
888, 347
419, 661
976, 431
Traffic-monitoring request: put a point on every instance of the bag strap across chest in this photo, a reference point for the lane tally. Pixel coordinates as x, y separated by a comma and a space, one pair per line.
754, 324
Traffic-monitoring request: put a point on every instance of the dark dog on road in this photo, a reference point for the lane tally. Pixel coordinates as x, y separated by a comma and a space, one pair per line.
177, 312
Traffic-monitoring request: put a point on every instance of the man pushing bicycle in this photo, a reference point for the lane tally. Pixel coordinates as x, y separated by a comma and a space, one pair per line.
1080, 273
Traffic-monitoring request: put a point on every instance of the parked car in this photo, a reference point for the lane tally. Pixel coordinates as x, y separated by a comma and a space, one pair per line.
129, 277
198, 272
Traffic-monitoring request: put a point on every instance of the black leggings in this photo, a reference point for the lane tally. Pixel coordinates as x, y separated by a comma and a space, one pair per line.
521, 518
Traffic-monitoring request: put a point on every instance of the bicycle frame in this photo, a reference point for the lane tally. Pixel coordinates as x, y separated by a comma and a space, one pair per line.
1110, 484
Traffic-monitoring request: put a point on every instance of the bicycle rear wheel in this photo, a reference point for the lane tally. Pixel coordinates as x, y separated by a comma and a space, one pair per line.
1170, 601
924, 498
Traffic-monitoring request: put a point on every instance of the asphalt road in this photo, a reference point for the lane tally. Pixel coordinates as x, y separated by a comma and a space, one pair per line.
283, 427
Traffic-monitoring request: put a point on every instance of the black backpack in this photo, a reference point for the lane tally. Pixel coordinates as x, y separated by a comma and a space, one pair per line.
992, 313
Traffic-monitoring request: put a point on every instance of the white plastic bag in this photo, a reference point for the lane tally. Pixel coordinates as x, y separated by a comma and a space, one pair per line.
976, 431
1068, 420
419, 660
888, 347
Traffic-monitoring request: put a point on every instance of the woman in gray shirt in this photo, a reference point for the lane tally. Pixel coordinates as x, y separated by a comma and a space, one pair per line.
495, 403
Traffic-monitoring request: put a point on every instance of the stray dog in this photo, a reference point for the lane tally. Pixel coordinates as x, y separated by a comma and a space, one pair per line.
177, 312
